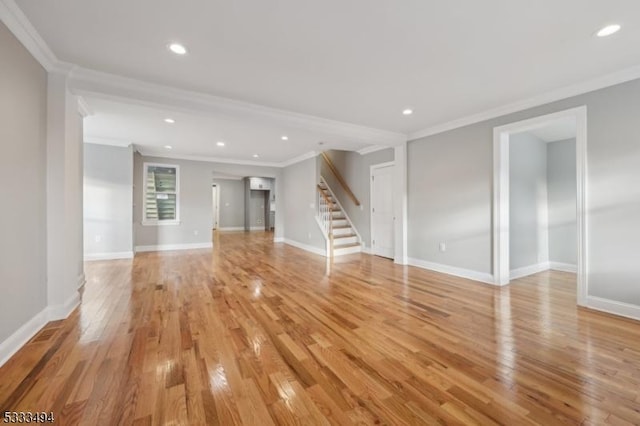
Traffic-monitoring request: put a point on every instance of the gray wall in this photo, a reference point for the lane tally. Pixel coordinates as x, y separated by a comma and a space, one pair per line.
561, 190
355, 169
528, 212
23, 106
231, 206
299, 193
450, 190
108, 194
196, 216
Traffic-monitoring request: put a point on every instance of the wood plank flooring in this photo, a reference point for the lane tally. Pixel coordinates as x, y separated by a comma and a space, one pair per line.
258, 333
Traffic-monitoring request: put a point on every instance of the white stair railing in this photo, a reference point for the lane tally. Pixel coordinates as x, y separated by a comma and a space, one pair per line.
325, 216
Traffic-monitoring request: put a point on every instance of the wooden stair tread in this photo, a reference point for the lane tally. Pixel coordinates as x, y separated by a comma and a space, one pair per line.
344, 236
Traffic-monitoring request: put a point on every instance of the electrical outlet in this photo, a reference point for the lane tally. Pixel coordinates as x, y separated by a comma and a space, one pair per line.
443, 247
98, 238
195, 232
226, 204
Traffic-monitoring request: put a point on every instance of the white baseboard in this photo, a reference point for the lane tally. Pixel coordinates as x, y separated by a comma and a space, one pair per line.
58, 312
366, 250
452, 270
108, 256
167, 247
21, 336
514, 274
17, 340
82, 280
306, 247
614, 307
563, 267
232, 228
278, 239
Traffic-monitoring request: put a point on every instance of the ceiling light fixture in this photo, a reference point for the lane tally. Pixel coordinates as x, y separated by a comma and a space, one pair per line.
608, 30
220, 143
169, 120
178, 49
168, 147
285, 138
407, 111
255, 155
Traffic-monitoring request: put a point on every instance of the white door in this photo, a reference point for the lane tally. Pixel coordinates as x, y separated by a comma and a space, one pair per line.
216, 216
382, 220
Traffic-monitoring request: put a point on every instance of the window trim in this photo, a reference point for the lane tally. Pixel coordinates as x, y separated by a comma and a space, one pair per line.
159, 222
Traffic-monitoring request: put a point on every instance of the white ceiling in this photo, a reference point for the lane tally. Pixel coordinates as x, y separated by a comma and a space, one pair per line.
196, 134
358, 61
558, 130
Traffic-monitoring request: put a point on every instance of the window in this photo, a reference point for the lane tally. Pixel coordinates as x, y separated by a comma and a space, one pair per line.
161, 194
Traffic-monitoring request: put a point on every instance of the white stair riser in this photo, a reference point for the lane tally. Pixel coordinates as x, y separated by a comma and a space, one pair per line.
337, 242
349, 250
342, 231
340, 222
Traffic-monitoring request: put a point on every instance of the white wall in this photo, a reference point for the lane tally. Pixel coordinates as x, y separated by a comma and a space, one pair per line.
528, 211
23, 121
108, 197
450, 191
561, 190
299, 193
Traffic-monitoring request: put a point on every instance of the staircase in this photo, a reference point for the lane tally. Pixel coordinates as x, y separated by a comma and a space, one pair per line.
342, 238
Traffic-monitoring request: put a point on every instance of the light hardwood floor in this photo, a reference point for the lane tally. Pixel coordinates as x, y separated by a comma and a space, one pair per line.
258, 333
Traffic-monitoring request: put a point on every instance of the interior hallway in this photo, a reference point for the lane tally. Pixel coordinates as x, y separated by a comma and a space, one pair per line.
257, 333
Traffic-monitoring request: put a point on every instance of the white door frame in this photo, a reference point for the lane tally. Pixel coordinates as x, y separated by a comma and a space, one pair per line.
216, 216
501, 193
371, 228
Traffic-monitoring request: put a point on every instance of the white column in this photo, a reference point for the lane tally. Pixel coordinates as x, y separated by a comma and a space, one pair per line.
64, 198
400, 203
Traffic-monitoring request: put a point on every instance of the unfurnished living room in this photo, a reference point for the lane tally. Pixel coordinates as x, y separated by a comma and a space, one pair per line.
330, 212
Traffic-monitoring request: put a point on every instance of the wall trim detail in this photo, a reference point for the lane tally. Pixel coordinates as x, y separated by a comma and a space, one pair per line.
108, 256
452, 270
525, 271
231, 228
169, 247
21, 336
306, 247
58, 312
278, 240
500, 205
597, 83
614, 307
563, 267
82, 280
372, 148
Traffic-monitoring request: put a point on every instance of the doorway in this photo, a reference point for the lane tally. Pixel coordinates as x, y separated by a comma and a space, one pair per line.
382, 214
215, 208
502, 200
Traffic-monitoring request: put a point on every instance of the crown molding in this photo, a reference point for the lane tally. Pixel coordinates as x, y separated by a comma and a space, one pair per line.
608, 80
96, 83
153, 153
107, 141
22, 29
372, 148
83, 107
299, 158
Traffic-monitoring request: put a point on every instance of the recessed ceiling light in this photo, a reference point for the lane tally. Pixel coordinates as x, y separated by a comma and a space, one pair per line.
285, 138
608, 30
178, 49
220, 143
407, 111
168, 147
169, 120
255, 155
